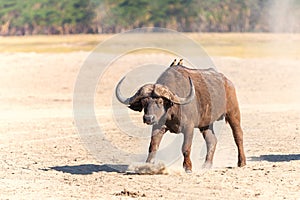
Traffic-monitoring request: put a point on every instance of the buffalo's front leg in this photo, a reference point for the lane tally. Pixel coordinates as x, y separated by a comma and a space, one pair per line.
211, 143
186, 149
157, 134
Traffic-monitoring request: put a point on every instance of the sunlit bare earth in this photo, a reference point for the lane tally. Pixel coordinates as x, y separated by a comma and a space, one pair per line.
43, 156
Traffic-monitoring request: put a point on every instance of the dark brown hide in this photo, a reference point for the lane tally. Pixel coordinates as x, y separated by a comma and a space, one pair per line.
210, 102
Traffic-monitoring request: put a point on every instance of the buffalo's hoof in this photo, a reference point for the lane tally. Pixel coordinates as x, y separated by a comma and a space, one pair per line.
242, 164
207, 165
188, 171
151, 161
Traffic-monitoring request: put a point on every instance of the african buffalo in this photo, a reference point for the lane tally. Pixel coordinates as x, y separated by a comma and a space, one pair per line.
183, 99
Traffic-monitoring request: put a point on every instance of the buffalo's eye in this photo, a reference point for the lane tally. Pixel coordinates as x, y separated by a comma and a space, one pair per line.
160, 101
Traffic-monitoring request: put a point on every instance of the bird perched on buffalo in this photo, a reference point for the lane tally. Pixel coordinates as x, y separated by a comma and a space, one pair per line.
180, 62
173, 63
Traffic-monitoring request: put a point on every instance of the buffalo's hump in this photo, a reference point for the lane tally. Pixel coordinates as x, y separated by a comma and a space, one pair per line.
210, 100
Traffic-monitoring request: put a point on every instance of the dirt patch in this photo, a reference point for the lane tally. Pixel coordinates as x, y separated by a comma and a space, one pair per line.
130, 194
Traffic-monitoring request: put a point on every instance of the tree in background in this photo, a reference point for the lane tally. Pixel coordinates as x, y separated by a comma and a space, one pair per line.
18, 17
128, 14
205, 16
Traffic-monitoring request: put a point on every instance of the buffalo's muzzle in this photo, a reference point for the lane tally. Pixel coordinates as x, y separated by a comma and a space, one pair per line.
149, 119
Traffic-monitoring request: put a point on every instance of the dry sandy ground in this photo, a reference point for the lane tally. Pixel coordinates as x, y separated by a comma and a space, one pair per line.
43, 156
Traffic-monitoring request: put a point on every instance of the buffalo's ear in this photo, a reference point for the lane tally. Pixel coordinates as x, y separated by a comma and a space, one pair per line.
136, 106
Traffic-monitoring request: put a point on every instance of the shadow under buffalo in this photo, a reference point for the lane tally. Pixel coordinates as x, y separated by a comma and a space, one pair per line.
276, 158
90, 168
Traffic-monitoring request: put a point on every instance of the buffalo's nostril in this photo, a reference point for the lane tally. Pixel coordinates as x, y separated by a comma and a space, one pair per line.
148, 119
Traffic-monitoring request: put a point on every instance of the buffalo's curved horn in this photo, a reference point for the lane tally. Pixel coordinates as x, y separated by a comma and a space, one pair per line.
189, 98
119, 96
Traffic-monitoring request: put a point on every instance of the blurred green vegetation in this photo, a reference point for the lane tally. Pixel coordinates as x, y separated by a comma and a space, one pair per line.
19, 17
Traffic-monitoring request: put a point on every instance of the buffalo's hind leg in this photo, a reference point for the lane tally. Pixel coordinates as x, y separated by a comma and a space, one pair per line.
233, 117
234, 120
211, 143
